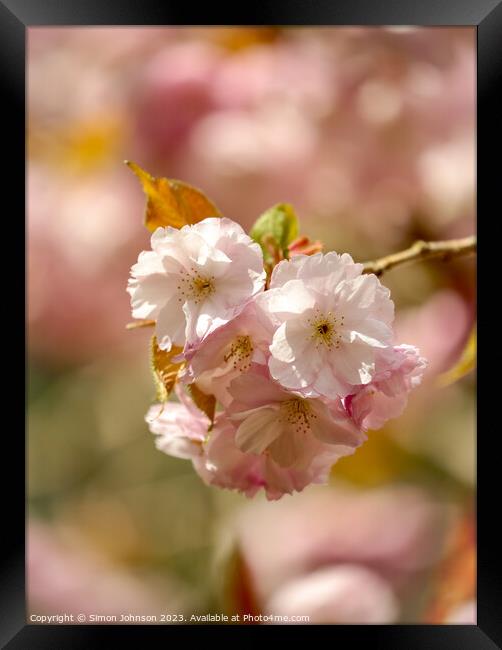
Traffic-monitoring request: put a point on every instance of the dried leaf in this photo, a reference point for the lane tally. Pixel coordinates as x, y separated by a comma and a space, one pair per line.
206, 403
465, 364
171, 202
164, 370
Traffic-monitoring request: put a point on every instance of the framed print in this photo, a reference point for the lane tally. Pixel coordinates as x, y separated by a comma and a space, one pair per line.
250, 304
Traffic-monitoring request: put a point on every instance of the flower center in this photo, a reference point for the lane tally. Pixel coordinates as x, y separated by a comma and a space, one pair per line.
240, 353
203, 286
325, 329
298, 413
195, 287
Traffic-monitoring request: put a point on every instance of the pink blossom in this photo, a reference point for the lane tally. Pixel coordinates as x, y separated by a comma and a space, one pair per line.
184, 432
227, 352
195, 279
180, 428
398, 371
226, 466
288, 428
330, 319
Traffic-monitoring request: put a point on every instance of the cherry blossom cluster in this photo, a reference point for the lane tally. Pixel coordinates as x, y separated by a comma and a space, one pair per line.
301, 369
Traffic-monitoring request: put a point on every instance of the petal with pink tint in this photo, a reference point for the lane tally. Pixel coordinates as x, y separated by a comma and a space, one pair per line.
399, 369
334, 431
179, 431
257, 431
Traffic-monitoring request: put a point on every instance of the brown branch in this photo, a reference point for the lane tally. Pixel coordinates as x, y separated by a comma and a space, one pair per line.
422, 250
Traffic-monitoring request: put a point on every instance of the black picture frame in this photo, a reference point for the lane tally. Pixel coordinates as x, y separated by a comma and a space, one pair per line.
16, 16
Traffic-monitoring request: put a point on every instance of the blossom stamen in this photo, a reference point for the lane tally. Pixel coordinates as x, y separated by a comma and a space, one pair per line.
325, 330
298, 413
241, 351
195, 287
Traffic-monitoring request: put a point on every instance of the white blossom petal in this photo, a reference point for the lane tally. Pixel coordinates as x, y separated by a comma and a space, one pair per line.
149, 294
212, 269
170, 326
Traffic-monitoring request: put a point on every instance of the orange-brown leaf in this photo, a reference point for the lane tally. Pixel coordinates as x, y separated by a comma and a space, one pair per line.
206, 403
171, 202
164, 370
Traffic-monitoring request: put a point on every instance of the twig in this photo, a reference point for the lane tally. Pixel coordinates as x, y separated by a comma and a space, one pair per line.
140, 323
422, 250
